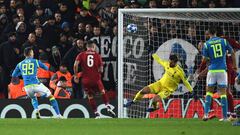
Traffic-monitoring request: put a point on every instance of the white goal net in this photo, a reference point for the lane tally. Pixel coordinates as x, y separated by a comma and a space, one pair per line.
165, 31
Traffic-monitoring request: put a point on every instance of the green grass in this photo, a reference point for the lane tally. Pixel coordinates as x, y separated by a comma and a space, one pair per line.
116, 127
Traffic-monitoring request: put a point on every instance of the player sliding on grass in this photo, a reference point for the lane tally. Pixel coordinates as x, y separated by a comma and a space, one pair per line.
28, 69
214, 51
167, 85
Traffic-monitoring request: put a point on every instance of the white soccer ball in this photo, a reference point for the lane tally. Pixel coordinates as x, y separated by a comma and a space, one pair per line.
132, 28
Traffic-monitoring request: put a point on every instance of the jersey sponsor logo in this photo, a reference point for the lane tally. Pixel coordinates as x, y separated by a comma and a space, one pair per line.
186, 53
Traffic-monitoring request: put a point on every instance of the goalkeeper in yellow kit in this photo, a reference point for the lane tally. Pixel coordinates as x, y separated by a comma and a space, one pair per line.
167, 85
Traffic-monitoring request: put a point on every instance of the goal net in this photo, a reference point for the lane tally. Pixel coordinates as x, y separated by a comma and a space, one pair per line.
166, 31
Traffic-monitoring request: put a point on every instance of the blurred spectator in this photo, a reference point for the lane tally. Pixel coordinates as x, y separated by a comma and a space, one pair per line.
21, 17
3, 9
85, 18
63, 44
193, 4
66, 29
66, 14
61, 92
80, 33
29, 9
11, 26
51, 32
58, 19
20, 10
39, 13
192, 35
93, 8
175, 4
31, 42
21, 30
223, 4
96, 31
9, 57
40, 41
212, 4
105, 3
3, 25
134, 4
152, 4
89, 32
72, 53
63, 71
12, 7
164, 4
120, 3
16, 89
105, 28
203, 3
44, 76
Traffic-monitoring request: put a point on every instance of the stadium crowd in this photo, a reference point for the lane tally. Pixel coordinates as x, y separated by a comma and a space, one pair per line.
57, 31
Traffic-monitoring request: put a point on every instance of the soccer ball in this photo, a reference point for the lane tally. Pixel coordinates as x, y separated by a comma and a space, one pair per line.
132, 28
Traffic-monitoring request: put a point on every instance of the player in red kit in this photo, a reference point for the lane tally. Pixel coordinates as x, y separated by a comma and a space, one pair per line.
92, 67
231, 71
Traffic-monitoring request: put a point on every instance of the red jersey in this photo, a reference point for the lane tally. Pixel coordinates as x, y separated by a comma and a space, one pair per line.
90, 62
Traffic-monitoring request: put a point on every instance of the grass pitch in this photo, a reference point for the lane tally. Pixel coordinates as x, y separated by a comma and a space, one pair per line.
116, 127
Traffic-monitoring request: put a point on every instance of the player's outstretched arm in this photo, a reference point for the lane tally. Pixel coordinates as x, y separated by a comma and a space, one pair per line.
75, 69
16, 71
185, 81
158, 59
41, 65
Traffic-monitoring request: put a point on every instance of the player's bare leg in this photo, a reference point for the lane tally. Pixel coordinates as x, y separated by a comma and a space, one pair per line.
138, 96
154, 104
209, 94
106, 102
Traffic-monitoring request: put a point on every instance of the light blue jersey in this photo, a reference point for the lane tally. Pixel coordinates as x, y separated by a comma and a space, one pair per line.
215, 49
28, 69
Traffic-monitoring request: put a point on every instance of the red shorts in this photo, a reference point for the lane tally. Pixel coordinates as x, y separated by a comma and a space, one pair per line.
91, 87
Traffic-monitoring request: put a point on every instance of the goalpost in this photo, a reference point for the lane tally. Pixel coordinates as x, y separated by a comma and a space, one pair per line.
165, 31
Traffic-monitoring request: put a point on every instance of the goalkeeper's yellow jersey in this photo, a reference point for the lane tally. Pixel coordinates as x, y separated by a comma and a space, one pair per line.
172, 76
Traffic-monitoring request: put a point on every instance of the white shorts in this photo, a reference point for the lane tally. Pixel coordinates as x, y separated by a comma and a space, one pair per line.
41, 89
217, 79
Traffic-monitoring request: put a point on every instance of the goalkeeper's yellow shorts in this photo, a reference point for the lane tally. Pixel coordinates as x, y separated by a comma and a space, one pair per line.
157, 88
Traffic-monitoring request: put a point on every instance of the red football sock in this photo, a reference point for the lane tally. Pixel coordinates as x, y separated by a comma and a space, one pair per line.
92, 103
105, 98
230, 101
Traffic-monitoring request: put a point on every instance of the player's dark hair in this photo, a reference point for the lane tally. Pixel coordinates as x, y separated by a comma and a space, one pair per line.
212, 30
90, 44
173, 57
27, 51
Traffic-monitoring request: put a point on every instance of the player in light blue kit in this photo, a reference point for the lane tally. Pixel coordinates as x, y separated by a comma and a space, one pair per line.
28, 69
214, 51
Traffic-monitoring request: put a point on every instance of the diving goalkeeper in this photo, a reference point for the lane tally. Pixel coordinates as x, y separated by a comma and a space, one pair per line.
164, 87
